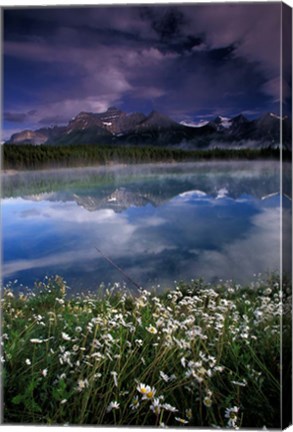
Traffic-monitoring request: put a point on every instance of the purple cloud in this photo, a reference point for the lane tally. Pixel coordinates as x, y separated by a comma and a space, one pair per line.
15, 117
178, 59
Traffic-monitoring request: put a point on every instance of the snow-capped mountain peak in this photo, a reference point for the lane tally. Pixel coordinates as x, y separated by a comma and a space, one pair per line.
194, 124
222, 122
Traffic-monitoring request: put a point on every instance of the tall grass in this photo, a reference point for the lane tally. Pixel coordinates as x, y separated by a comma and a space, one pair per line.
198, 355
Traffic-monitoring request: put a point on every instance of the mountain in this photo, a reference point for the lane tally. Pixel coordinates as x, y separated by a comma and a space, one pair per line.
220, 123
40, 136
268, 126
113, 121
261, 132
156, 129
29, 137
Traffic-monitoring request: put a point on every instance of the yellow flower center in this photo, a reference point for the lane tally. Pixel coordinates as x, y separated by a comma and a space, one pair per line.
150, 394
207, 402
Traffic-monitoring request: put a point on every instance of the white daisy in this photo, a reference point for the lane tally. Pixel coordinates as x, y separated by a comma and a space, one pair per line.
113, 405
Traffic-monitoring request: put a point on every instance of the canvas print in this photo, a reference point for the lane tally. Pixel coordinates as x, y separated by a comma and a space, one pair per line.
146, 215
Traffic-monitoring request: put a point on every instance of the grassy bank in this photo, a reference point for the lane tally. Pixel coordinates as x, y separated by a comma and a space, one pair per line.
198, 355
22, 157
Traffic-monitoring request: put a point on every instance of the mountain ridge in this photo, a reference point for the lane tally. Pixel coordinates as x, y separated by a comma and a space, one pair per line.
118, 127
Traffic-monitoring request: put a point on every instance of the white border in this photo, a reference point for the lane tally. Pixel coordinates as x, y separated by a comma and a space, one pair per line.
56, 3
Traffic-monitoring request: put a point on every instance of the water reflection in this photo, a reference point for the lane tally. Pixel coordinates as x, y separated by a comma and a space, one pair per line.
159, 223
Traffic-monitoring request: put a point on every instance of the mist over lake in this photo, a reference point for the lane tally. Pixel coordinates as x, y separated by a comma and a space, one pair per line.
159, 223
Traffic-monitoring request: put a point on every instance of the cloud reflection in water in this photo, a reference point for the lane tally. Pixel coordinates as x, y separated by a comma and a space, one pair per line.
188, 235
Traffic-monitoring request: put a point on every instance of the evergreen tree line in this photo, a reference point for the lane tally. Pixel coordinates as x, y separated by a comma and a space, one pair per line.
27, 156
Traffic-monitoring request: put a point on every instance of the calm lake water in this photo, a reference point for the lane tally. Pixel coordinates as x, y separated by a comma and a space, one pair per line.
159, 223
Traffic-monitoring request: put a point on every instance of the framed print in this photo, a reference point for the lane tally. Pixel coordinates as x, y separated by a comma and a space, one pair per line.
147, 215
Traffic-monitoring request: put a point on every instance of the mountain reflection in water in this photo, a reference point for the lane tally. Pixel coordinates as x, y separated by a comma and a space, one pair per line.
159, 223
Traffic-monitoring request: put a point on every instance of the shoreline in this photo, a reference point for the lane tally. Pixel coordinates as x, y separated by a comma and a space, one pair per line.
43, 158
9, 172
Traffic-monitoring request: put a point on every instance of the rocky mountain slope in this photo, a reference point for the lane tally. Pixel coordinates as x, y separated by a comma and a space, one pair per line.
117, 127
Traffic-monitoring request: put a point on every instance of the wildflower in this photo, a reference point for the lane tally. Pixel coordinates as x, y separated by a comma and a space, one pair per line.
82, 384
114, 374
169, 407
97, 355
113, 405
164, 376
207, 401
44, 372
188, 413
78, 329
156, 406
65, 336
150, 393
135, 403
143, 389
147, 391
63, 401
36, 341
151, 329
240, 383
180, 420
60, 301
28, 362
183, 361
96, 344
231, 415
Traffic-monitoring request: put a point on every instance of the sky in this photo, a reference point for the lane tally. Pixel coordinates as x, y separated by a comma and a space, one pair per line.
191, 62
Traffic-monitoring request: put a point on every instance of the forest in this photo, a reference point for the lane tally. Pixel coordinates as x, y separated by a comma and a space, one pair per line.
26, 156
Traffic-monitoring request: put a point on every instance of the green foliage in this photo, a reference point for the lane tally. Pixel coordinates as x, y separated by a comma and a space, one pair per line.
193, 353
26, 156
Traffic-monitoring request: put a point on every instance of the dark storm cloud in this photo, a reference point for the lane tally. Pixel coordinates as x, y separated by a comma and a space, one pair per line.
15, 117
53, 120
168, 24
19, 117
179, 59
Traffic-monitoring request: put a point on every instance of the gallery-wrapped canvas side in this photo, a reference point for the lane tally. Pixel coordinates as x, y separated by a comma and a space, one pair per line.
286, 203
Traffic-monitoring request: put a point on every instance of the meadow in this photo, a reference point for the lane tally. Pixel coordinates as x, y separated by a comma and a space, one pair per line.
197, 355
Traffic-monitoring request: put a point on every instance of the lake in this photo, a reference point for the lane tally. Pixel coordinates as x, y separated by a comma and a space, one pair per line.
159, 223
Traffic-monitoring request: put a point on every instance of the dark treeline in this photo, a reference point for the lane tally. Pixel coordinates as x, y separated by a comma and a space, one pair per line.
43, 156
